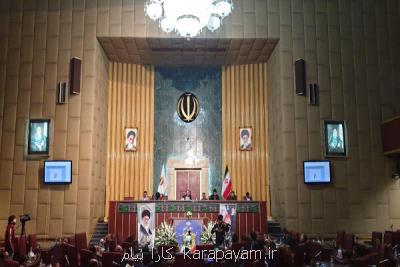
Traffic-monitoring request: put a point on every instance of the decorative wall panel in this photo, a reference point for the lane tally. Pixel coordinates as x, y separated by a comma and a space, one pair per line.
244, 104
130, 104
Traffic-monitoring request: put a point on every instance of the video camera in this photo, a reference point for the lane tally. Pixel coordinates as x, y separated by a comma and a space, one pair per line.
24, 218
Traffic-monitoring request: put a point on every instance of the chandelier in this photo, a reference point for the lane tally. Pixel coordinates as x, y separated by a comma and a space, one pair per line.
188, 17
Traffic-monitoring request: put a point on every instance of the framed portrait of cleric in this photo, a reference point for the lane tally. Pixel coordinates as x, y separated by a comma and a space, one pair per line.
130, 139
38, 137
245, 138
335, 138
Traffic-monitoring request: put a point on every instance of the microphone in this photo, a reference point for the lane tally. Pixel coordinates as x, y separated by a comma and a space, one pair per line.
383, 261
393, 248
66, 258
317, 255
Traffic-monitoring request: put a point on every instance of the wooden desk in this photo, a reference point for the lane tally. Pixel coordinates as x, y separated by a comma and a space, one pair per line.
251, 215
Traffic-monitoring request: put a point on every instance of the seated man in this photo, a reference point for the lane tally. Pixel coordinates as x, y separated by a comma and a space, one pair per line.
232, 196
247, 197
204, 197
214, 196
187, 195
145, 196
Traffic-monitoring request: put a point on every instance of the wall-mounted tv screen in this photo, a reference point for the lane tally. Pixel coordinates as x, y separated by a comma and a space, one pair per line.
57, 172
317, 172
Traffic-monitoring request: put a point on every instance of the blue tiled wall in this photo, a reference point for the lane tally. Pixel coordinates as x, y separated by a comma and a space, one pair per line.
205, 133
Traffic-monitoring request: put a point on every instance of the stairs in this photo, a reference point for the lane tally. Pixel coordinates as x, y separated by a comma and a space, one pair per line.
274, 229
100, 232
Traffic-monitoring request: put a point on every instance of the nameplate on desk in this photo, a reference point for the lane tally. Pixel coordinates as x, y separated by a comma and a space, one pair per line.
185, 206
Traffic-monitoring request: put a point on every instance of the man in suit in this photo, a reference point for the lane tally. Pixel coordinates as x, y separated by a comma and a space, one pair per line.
187, 196
247, 197
214, 196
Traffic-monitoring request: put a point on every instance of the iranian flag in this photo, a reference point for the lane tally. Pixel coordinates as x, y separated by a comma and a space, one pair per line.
226, 184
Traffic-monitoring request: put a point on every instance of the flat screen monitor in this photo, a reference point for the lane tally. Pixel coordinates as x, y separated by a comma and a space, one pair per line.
57, 172
317, 172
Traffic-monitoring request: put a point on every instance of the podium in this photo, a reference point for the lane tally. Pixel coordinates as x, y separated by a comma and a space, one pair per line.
122, 217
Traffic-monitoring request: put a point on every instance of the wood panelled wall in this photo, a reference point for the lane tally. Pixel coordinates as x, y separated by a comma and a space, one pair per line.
130, 104
244, 104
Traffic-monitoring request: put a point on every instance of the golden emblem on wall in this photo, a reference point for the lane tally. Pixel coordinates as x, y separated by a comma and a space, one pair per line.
188, 107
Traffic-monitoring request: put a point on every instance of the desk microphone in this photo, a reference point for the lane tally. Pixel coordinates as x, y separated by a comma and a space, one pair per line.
317, 255
383, 261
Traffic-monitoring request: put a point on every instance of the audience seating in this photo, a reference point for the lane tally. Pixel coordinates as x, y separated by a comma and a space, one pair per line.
375, 237
110, 257
348, 243
71, 240
33, 244
119, 238
81, 241
126, 245
11, 263
21, 246
57, 255
387, 237
299, 258
71, 255
340, 239
86, 256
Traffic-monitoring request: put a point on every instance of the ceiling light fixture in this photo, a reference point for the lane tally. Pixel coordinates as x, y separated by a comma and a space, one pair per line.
188, 17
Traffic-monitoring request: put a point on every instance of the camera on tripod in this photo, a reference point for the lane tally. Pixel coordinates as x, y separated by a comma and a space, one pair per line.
24, 218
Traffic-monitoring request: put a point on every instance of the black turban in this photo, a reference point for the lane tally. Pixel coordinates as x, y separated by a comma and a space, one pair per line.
245, 132
146, 213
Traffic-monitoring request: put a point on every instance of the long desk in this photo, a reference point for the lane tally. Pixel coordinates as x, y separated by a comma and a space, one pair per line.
251, 215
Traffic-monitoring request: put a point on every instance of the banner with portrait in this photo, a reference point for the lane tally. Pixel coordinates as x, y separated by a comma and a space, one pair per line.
146, 213
228, 212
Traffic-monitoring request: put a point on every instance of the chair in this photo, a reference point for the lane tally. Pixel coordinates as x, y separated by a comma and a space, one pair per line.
86, 256
340, 239
314, 252
10, 263
376, 236
396, 238
127, 245
81, 241
110, 257
71, 240
112, 244
180, 260
71, 254
46, 256
57, 255
119, 238
299, 258
387, 237
21, 246
32, 241
348, 243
